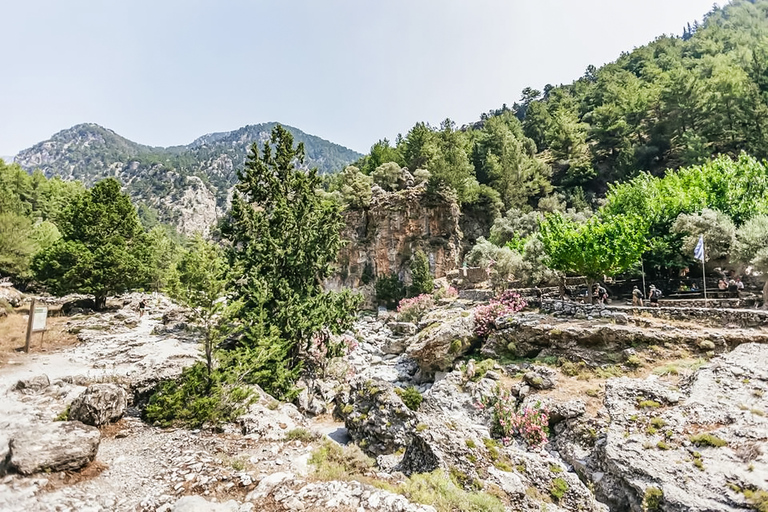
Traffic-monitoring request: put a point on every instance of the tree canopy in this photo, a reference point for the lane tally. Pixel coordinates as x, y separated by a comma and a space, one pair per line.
103, 248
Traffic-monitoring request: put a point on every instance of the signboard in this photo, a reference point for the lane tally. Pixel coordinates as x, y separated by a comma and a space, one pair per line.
39, 318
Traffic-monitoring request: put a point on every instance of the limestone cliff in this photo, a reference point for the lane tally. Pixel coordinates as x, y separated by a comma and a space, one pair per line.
382, 238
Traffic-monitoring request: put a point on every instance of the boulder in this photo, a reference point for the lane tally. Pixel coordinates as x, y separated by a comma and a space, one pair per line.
403, 328
33, 384
200, 504
5, 451
650, 442
376, 417
79, 305
99, 404
57, 446
270, 420
541, 377
438, 345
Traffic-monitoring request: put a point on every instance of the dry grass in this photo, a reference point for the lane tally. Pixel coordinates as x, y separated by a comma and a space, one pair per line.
68, 478
13, 330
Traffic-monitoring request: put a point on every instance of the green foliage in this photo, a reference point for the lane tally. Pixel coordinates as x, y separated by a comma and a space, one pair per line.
442, 492
652, 499
335, 462
197, 398
596, 248
751, 247
103, 246
390, 290
757, 499
717, 229
199, 282
421, 276
300, 434
410, 397
559, 488
282, 241
707, 439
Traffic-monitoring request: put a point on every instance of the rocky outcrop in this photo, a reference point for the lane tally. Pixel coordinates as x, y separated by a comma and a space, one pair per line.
447, 337
376, 417
454, 436
288, 493
693, 449
58, 446
383, 237
99, 404
200, 504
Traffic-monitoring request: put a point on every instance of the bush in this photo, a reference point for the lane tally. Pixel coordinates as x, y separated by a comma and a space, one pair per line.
505, 304
299, 434
389, 290
531, 423
559, 488
421, 276
708, 440
441, 491
335, 462
652, 499
194, 400
410, 397
411, 310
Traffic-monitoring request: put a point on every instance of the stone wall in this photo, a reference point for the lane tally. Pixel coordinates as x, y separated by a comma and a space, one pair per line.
711, 316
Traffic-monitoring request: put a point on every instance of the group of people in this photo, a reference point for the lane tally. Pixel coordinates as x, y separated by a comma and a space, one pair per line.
733, 286
654, 294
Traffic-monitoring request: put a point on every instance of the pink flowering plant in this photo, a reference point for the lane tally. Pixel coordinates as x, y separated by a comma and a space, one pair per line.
323, 346
446, 293
530, 423
411, 310
505, 304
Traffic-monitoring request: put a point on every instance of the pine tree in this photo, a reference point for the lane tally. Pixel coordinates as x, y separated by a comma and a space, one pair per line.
283, 239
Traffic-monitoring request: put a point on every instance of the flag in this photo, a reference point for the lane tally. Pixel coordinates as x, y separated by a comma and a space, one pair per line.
698, 252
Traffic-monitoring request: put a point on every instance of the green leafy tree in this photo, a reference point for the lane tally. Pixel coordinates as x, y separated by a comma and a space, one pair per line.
718, 231
751, 247
282, 241
200, 283
597, 248
103, 247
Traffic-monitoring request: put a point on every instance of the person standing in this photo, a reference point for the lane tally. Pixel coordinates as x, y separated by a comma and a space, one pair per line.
654, 294
637, 297
142, 307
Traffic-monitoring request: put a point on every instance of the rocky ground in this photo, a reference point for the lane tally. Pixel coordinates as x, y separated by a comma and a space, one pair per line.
645, 414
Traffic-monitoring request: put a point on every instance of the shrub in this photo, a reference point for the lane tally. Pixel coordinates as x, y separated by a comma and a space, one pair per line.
421, 276
531, 423
707, 439
335, 462
299, 434
446, 293
441, 491
486, 317
389, 290
758, 499
559, 488
410, 397
194, 399
411, 310
652, 499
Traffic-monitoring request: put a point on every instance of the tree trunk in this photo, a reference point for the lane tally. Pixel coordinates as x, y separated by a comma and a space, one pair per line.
589, 291
100, 302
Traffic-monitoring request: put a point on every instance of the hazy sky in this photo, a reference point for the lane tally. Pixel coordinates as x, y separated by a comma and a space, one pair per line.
164, 72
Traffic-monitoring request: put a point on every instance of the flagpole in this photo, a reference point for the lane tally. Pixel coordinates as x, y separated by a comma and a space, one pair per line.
704, 272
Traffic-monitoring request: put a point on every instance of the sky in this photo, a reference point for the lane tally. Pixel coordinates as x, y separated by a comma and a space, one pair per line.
164, 72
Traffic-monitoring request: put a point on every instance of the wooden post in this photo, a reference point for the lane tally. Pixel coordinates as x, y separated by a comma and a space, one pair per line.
29, 324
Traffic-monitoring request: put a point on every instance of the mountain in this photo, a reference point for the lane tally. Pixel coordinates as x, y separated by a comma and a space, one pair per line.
187, 186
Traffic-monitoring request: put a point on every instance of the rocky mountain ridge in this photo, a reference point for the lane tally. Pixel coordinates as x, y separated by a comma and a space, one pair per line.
188, 186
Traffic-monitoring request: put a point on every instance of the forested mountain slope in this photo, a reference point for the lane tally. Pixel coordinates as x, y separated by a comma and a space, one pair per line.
183, 185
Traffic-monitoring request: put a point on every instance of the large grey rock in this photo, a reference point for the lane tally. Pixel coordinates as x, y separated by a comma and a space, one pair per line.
376, 417
33, 384
5, 451
454, 436
647, 443
270, 420
99, 404
438, 345
200, 504
57, 446
541, 377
